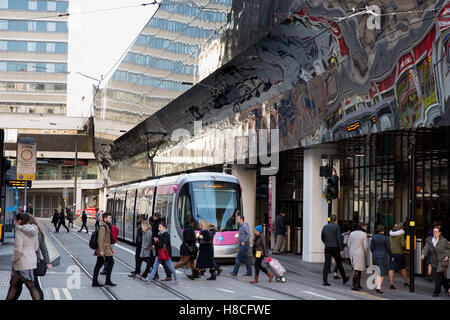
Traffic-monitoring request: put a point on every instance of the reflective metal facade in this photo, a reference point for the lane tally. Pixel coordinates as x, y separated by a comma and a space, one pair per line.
319, 73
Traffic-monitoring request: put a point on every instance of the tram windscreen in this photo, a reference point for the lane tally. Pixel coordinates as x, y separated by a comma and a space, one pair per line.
216, 202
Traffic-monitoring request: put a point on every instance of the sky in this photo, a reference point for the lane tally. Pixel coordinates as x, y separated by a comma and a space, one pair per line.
97, 40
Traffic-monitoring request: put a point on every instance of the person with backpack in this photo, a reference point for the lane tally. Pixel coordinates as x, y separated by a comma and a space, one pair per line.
84, 221
104, 251
114, 235
61, 221
97, 218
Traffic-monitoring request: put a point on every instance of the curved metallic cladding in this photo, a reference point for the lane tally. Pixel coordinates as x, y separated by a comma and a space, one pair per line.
319, 78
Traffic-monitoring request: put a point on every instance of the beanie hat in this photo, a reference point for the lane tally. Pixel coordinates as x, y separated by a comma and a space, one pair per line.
259, 229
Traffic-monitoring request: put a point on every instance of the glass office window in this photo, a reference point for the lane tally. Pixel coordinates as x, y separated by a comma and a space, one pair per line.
51, 47
3, 4
3, 45
32, 5
31, 67
51, 26
61, 48
61, 68
61, 6
41, 67
41, 47
31, 46
51, 5
3, 25
33, 25
2, 65
61, 27
50, 67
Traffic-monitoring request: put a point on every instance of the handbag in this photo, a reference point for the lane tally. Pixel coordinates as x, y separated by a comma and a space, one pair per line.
41, 268
163, 254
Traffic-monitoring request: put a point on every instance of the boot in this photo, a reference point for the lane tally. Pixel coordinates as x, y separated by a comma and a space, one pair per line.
355, 282
270, 276
359, 281
219, 270
213, 275
255, 280
193, 275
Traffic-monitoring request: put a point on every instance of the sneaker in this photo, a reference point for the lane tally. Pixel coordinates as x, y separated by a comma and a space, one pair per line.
233, 274
167, 279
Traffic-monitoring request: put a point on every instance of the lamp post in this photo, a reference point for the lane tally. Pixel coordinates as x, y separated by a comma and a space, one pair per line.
151, 157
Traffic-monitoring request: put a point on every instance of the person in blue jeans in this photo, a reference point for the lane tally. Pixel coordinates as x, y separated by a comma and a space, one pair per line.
163, 240
244, 245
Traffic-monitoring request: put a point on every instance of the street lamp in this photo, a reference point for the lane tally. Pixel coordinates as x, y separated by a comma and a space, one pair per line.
151, 157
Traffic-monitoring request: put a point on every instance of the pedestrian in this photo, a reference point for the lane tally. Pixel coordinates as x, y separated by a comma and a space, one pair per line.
164, 252
29, 209
84, 221
440, 250
244, 245
137, 256
381, 251
280, 231
69, 214
61, 221
41, 255
55, 219
114, 235
104, 251
188, 249
345, 255
156, 220
205, 256
332, 238
24, 259
212, 233
146, 251
358, 249
259, 253
398, 246
436, 223
97, 218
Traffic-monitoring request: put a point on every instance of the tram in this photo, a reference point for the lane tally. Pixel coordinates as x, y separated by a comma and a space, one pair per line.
210, 196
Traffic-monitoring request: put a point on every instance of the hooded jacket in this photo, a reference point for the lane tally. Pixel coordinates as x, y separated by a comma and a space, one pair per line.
25, 247
397, 241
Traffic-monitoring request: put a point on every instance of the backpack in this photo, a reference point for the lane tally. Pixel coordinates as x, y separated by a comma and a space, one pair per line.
93, 242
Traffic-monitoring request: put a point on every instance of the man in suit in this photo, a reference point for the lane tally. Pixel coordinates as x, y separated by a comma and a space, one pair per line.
62, 221
332, 238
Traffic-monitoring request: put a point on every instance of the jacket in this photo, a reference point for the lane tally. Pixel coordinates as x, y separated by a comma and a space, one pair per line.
146, 244
104, 240
397, 241
206, 255
164, 239
25, 247
188, 240
438, 253
279, 224
55, 218
244, 233
61, 216
331, 236
358, 248
259, 244
139, 236
42, 249
346, 253
84, 217
380, 246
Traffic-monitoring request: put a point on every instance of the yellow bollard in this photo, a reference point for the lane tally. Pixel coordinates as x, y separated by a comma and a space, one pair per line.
407, 242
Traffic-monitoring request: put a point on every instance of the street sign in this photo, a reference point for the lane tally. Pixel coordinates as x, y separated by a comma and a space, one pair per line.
17, 183
26, 159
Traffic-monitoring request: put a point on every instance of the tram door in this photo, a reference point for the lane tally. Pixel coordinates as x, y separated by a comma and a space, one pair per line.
294, 218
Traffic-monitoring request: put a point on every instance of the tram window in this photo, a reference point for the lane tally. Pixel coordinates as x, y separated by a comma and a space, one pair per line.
162, 201
144, 202
184, 208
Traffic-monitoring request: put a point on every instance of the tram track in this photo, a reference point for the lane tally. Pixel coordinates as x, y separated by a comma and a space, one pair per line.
159, 284
109, 293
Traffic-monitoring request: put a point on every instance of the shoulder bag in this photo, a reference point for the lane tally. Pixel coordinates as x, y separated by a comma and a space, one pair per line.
163, 254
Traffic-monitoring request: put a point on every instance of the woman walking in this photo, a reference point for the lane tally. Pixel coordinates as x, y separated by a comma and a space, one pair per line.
188, 248
164, 252
440, 250
146, 251
358, 248
260, 252
24, 259
55, 219
206, 255
381, 248
398, 245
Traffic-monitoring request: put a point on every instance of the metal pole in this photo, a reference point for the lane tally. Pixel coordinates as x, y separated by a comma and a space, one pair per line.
412, 215
76, 175
25, 197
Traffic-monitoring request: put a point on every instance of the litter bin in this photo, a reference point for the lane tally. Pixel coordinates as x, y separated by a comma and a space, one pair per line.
418, 265
288, 239
298, 240
369, 253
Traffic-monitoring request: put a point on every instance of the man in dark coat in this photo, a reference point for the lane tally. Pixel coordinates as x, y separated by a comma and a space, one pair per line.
137, 256
332, 238
55, 219
62, 221
84, 221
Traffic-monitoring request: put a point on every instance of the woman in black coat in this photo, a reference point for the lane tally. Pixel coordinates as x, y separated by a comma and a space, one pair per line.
206, 254
55, 219
188, 248
381, 249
